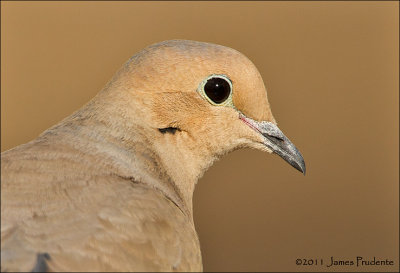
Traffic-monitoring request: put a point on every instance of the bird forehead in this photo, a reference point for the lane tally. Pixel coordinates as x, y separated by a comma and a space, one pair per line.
250, 96
190, 58
181, 65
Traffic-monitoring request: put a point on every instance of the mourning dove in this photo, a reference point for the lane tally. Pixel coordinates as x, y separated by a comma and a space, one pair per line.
110, 187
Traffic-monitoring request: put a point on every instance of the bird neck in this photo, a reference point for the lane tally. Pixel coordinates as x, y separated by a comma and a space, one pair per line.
132, 152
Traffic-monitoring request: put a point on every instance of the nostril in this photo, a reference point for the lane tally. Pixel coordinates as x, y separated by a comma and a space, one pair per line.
278, 138
273, 138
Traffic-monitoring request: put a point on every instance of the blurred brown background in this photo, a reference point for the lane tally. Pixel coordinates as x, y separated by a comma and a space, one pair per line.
331, 69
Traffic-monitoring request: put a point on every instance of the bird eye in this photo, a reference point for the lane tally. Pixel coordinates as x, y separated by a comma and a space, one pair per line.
217, 89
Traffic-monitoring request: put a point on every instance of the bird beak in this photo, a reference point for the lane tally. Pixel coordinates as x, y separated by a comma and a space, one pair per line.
275, 140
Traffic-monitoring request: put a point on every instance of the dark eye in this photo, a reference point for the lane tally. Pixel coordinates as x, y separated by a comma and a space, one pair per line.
217, 89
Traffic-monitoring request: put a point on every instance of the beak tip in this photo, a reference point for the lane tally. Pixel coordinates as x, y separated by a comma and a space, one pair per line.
277, 142
301, 167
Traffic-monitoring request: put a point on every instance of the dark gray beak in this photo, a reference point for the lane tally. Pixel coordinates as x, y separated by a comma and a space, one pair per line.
277, 142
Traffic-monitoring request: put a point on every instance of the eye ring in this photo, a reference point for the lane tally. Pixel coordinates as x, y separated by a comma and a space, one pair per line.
217, 90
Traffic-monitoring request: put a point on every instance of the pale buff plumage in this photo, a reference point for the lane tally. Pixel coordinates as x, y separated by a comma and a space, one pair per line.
105, 190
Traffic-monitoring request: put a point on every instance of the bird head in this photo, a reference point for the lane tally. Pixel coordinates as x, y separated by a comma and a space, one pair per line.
198, 101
